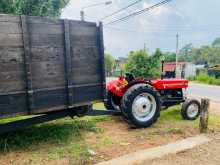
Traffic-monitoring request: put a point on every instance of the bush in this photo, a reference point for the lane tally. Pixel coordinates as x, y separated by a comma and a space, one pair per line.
205, 78
191, 78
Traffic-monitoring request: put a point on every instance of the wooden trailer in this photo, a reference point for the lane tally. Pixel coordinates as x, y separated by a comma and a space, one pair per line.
49, 65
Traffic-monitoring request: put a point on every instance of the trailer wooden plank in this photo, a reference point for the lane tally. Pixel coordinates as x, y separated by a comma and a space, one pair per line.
89, 41
11, 67
11, 40
52, 40
11, 54
8, 87
47, 40
50, 99
84, 63
12, 105
51, 64
84, 79
9, 18
47, 53
87, 94
48, 74
43, 20
42, 28
10, 27
79, 29
85, 53
87, 70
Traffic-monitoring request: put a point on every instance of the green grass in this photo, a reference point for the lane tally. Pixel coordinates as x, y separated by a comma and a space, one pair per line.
66, 138
59, 132
205, 79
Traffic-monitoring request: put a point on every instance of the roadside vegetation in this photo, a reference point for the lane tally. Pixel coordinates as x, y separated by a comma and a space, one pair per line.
205, 79
89, 140
51, 8
139, 63
206, 54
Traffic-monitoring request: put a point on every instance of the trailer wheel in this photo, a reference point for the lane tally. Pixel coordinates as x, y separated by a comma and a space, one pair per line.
113, 102
190, 109
141, 105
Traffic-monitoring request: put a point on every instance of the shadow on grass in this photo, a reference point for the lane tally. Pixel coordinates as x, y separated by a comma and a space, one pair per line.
60, 132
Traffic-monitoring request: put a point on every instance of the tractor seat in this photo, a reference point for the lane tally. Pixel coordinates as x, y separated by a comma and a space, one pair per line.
129, 77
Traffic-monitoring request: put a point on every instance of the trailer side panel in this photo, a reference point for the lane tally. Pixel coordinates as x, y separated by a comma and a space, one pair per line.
48, 64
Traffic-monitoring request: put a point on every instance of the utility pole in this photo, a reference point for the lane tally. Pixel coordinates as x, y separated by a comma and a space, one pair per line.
145, 47
82, 15
82, 12
177, 53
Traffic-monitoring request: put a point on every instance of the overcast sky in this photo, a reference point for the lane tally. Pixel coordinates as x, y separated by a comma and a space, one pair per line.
196, 21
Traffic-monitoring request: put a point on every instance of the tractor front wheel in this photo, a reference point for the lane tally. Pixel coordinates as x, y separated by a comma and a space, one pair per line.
190, 109
141, 105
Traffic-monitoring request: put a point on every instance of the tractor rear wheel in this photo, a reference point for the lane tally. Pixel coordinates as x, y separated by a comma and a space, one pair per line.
113, 102
141, 105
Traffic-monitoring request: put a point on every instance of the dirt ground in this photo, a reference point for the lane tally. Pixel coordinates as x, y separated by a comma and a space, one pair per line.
207, 154
117, 138
215, 108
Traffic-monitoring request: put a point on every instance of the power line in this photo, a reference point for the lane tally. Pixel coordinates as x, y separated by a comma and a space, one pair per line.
154, 35
122, 9
134, 31
159, 30
139, 12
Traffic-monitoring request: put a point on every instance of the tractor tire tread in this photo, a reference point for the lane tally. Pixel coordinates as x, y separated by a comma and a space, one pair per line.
127, 99
185, 106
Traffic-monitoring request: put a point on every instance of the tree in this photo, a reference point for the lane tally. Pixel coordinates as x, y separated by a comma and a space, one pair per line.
216, 43
141, 64
6, 6
110, 64
155, 63
51, 8
186, 49
202, 55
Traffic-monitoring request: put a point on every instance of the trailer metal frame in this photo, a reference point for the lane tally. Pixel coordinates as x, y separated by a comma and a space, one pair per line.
24, 123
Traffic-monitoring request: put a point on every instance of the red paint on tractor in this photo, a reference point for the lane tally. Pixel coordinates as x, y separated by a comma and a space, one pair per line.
170, 84
120, 85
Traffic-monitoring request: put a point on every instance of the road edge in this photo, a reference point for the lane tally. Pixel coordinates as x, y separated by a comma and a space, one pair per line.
158, 152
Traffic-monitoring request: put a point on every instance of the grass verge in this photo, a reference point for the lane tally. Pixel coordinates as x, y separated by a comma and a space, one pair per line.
108, 136
205, 79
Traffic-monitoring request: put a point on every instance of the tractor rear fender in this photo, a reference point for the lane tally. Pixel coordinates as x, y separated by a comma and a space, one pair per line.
119, 87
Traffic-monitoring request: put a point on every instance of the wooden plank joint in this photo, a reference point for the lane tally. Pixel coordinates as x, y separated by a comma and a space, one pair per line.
27, 63
68, 63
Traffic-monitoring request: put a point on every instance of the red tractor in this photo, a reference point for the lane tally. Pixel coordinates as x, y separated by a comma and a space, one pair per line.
140, 100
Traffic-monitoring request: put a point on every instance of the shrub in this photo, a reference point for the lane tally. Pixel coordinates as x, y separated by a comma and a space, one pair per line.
205, 78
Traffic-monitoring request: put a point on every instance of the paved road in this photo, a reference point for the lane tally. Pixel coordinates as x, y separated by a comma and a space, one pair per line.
207, 91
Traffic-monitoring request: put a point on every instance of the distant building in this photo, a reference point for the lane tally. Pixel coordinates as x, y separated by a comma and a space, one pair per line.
184, 69
120, 62
214, 71
120, 66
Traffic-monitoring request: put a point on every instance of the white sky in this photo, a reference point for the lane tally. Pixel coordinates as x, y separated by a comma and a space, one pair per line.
196, 21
